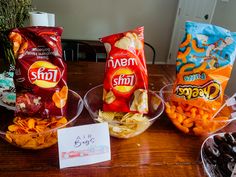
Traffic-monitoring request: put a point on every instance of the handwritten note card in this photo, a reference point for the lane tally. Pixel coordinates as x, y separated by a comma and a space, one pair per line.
84, 145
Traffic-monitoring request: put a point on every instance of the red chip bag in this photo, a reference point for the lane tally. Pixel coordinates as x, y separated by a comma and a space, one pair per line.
40, 75
126, 79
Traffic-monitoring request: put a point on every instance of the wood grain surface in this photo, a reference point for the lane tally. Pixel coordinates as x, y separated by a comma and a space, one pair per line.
161, 151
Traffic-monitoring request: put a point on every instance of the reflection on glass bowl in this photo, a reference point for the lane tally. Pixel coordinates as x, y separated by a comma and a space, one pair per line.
192, 120
40, 133
123, 125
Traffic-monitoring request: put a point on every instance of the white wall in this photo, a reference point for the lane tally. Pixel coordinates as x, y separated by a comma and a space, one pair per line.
91, 19
225, 13
225, 16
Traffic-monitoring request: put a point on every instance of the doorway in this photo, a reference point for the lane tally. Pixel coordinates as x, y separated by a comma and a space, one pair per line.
189, 10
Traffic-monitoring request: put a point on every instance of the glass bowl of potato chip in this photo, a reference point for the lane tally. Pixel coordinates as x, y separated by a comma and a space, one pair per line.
123, 125
193, 120
38, 133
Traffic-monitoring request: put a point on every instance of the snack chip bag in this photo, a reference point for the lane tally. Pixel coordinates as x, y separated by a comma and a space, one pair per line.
40, 74
126, 80
204, 63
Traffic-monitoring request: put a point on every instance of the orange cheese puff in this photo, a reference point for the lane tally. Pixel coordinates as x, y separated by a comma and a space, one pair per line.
188, 125
186, 41
180, 127
172, 115
205, 116
179, 117
167, 105
196, 48
179, 109
201, 112
168, 111
202, 121
188, 114
188, 108
199, 131
193, 112
189, 120
173, 108
183, 105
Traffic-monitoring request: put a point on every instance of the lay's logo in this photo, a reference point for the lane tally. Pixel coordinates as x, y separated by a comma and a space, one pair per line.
123, 80
44, 74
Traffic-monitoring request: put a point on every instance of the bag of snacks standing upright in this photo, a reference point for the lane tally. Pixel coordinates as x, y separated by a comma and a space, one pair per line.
41, 88
125, 86
40, 74
126, 83
204, 63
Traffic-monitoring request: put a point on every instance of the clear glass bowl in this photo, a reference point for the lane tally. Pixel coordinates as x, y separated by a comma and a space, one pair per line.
41, 139
93, 103
218, 154
200, 126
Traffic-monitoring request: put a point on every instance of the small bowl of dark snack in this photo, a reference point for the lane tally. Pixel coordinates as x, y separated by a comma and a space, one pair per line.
218, 153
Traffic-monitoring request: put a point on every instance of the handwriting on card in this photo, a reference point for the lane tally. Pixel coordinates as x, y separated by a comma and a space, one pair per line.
84, 140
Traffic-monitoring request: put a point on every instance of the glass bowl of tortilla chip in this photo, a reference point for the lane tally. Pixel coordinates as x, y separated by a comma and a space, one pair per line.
123, 125
38, 133
193, 120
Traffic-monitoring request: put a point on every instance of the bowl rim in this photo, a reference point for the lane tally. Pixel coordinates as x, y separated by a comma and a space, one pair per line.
149, 119
162, 89
80, 106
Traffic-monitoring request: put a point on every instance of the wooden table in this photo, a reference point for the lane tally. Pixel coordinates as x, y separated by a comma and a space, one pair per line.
161, 151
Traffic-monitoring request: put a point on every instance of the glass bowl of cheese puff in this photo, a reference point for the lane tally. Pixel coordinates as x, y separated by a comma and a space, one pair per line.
194, 120
123, 125
38, 133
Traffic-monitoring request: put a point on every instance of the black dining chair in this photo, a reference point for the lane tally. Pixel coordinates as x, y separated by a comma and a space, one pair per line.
153, 51
69, 48
76, 50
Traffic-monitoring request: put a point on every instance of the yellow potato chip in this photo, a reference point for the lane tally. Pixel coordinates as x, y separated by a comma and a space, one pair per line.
123, 43
13, 128
110, 97
124, 125
140, 101
22, 132
155, 102
107, 116
31, 123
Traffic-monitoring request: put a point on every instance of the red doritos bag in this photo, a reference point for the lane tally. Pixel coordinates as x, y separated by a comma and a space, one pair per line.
126, 79
40, 75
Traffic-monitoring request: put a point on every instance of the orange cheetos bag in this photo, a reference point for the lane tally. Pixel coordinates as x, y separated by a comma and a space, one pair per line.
204, 64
